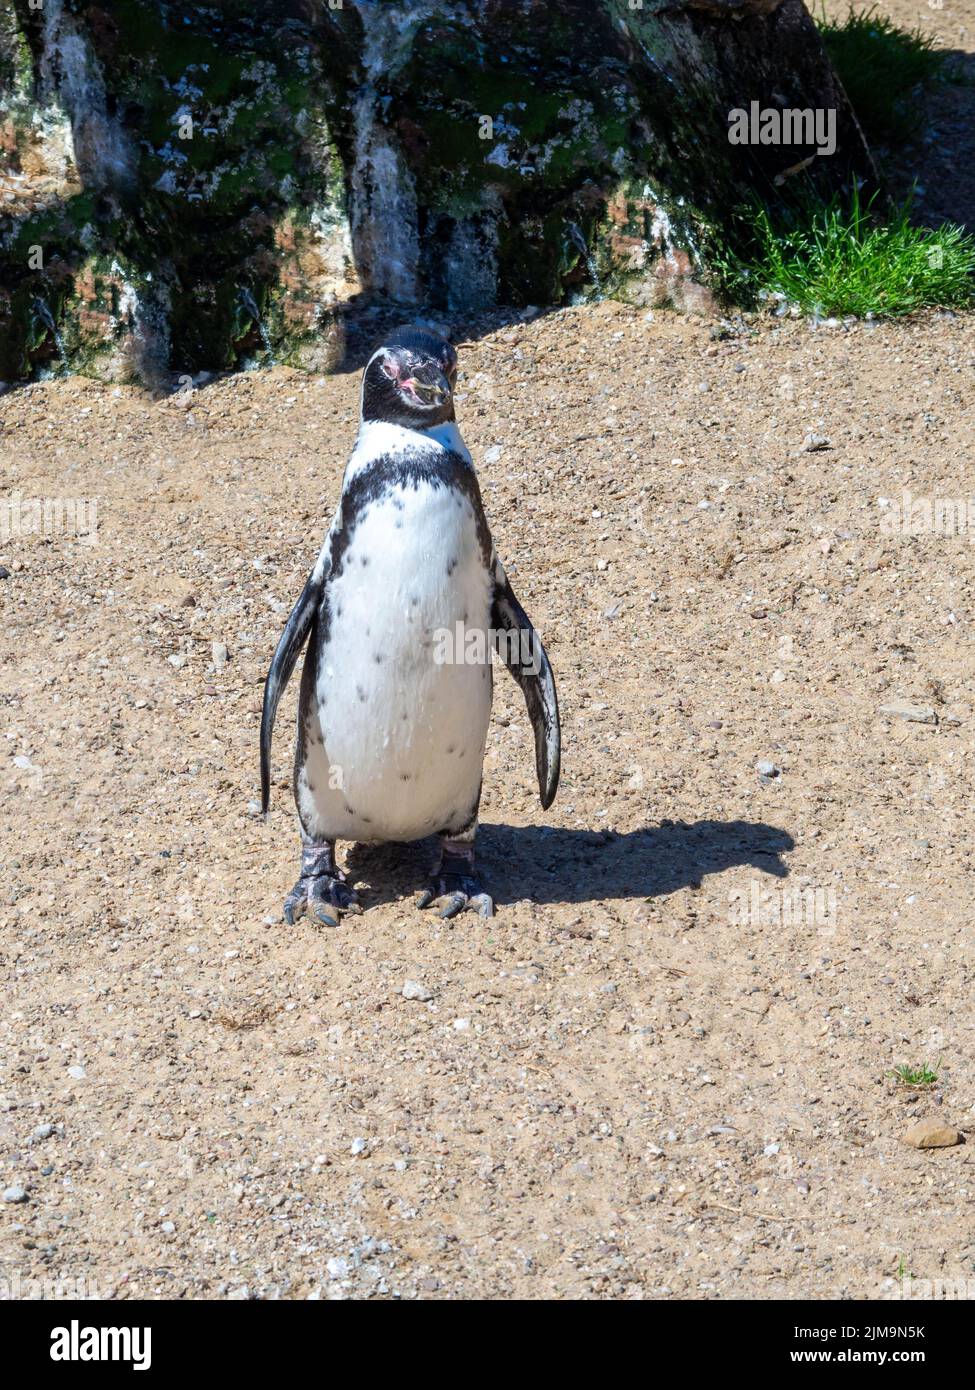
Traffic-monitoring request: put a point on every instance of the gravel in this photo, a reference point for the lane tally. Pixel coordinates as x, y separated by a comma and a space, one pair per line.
504, 1156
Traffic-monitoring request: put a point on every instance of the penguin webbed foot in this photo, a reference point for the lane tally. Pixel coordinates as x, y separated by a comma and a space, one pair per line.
322, 892
454, 886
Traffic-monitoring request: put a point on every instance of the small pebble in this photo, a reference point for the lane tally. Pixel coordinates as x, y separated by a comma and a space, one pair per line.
14, 1194
414, 990
914, 714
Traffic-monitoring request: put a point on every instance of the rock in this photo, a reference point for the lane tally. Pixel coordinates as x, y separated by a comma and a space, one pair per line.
414, 990
219, 653
915, 714
14, 1194
43, 1131
77, 1072
431, 203
4, 572
767, 771
494, 453
359, 1146
168, 1228
815, 442
932, 1134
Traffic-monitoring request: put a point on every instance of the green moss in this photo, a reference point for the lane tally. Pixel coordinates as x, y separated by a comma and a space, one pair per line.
589, 116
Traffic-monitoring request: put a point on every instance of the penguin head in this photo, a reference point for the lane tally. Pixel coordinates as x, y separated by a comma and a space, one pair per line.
409, 380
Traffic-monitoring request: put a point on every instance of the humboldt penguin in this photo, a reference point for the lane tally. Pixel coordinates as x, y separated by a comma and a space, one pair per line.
401, 613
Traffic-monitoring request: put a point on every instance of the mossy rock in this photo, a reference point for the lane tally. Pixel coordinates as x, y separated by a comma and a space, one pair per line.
211, 187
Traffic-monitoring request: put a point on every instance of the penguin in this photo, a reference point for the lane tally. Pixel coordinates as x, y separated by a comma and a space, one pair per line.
400, 614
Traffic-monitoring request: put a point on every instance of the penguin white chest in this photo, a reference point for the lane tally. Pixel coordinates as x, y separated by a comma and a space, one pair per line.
402, 717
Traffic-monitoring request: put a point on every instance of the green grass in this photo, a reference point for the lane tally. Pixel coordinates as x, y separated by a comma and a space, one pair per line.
922, 1075
839, 259
881, 68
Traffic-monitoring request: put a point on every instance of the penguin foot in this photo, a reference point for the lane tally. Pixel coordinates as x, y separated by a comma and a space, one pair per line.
322, 892
454, 886
324, 899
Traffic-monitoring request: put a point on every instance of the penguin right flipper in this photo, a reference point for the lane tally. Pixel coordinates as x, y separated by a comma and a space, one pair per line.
300, 622
528, 663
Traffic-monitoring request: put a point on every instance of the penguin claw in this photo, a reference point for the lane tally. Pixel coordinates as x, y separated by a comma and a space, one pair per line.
455, 904
452, 898
324, 899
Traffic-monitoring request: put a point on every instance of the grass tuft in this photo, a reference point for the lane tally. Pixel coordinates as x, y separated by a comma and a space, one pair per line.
882, 69
922, 1075
839, 259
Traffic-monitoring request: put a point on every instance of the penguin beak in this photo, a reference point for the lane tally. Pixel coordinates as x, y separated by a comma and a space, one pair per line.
430, 384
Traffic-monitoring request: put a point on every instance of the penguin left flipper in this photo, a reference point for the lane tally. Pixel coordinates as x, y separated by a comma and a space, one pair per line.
520, 648
290, 643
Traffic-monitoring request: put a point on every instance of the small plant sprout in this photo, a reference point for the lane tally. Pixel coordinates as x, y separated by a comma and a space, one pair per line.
916, 1076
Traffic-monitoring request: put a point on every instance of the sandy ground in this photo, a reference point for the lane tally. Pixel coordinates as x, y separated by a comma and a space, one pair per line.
648, 1076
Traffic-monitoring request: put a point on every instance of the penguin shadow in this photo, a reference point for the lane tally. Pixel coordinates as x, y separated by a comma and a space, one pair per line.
549, 864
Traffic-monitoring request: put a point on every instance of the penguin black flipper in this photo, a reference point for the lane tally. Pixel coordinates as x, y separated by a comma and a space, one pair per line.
521, 650
293, 638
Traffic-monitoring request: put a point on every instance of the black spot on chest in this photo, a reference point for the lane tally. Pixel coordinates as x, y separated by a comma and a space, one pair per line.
380, 482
